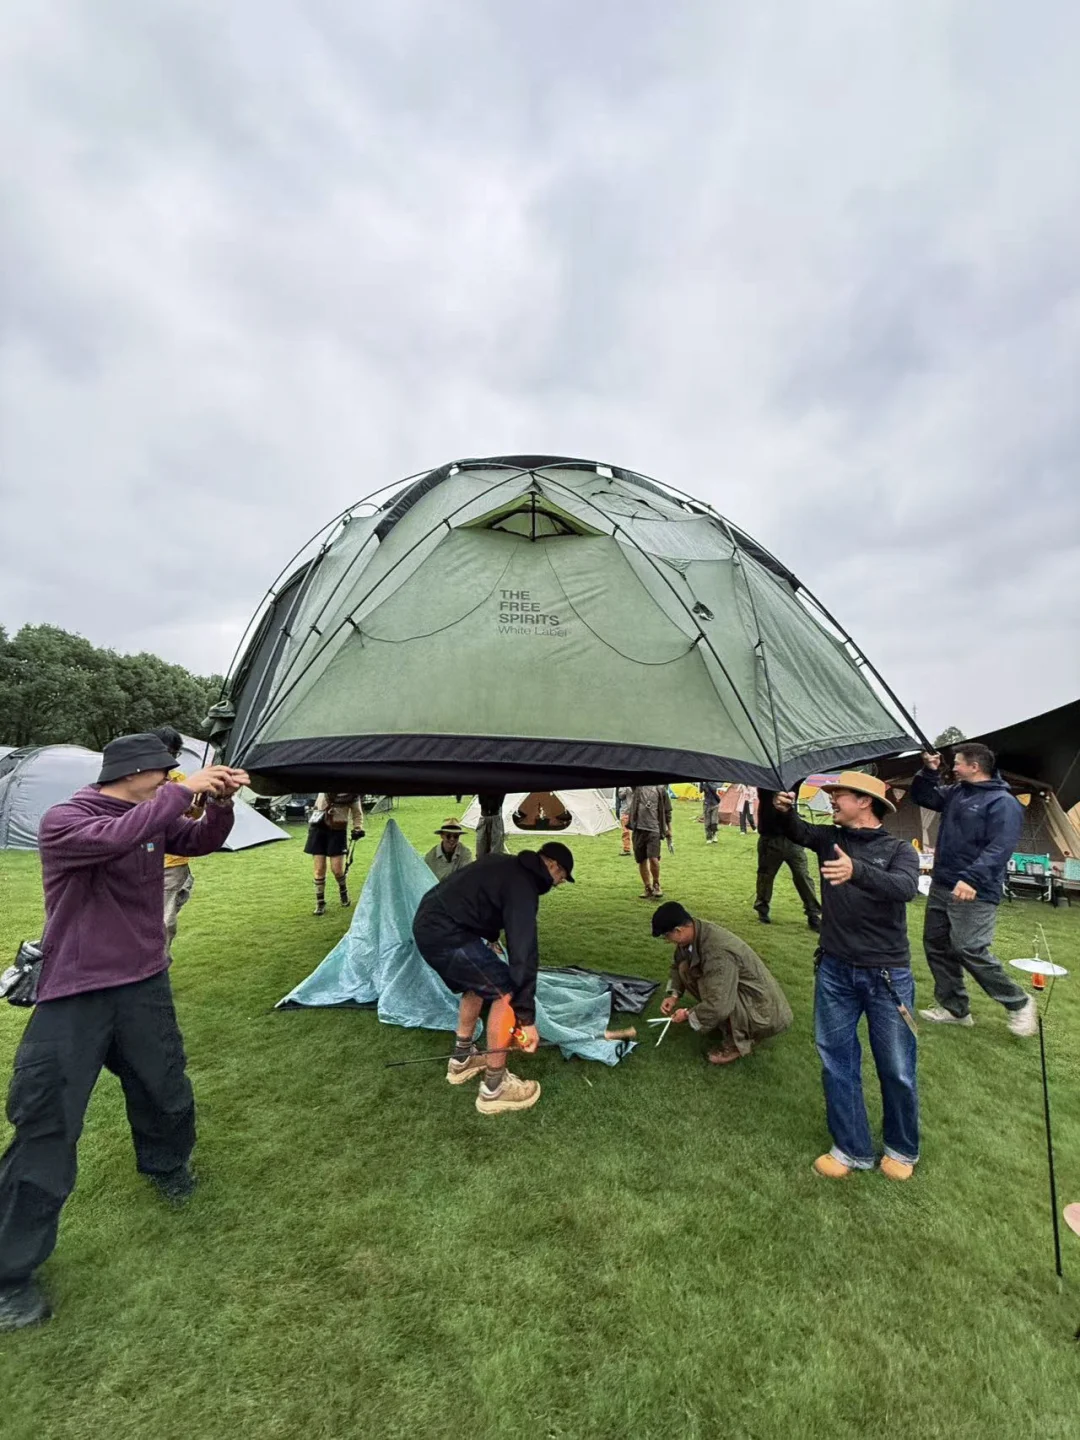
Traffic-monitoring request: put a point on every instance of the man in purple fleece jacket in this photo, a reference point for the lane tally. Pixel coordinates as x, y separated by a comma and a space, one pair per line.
103, 998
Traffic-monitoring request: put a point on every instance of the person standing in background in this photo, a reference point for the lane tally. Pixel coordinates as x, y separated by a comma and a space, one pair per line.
710, 797
328, 837
773, 850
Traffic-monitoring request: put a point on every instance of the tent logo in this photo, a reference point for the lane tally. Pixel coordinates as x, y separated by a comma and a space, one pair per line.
520, 614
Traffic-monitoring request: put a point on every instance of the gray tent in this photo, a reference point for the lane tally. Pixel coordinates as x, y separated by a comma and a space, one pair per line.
38, 776
533, 622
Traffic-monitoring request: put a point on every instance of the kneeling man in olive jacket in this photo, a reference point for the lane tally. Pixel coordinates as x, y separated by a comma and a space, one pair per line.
735, 992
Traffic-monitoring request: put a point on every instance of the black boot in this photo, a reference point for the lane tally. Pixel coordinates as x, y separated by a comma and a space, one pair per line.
763, 916
344, 893
23, 1305
176, 1186
813, 922
320, 897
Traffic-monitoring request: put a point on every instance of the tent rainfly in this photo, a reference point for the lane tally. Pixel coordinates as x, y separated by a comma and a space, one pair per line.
543, 812
38, 776
531, 622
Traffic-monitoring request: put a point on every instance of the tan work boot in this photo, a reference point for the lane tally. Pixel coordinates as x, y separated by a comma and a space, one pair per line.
831, 1168
458, 1071
513, 1094
896, 1169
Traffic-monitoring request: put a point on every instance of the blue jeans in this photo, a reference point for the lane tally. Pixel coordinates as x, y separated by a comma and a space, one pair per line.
842, 994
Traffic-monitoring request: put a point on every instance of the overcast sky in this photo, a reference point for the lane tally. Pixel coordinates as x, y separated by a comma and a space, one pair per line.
816, 264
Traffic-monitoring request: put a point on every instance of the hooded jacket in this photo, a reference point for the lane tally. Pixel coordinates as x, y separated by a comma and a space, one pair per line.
103, 869
864, 921
495, 894
979, 829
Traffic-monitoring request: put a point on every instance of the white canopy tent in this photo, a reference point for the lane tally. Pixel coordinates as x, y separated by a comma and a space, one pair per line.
590, 812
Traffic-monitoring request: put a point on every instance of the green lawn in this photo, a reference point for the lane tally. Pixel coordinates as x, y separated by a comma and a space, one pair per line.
646, 1253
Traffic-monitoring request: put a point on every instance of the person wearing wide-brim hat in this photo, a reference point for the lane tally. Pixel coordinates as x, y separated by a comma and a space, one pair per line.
863, 968
737, 998
449, 856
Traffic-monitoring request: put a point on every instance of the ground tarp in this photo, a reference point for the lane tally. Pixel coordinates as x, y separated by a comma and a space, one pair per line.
376, 963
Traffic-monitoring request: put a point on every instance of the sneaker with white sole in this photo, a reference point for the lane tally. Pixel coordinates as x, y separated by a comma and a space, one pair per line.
458, 1071
938, 1015
1025, 1021
513, 1094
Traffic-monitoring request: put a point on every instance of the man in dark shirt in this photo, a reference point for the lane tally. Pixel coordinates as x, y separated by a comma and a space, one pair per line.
457, 929
864, 968
775, 849
103, 997
980, 826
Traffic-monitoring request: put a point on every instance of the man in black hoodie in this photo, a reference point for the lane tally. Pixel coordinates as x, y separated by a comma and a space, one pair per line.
979, 829
863, 968
457, 929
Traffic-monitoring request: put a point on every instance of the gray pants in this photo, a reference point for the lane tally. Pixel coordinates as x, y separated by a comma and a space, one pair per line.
178, 887
490, 836
957, 935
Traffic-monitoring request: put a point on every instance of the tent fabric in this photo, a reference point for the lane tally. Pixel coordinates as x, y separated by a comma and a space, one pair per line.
1045, 748
377, 963
415, 652
36, 777
590, 813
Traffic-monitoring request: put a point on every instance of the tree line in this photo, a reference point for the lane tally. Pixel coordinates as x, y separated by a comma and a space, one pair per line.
56, 688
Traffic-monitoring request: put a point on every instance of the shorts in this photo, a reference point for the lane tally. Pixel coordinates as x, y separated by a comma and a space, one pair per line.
323, 841
646, 845
472, 968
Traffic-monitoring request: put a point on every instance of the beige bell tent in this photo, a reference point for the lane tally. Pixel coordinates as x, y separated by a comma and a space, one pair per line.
552, 812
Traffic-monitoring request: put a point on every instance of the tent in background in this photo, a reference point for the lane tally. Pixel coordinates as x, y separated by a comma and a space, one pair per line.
1048, 830
588, 812
686, 792
38, 776
377, 963
550, 622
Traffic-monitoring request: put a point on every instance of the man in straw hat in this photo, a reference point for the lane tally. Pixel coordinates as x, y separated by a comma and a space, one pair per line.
863, 968
449, 856
737, 998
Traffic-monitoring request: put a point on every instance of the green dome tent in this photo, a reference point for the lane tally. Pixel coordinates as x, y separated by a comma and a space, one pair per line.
523, 622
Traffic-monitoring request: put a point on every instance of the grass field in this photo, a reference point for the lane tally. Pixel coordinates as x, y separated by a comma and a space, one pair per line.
646, 1253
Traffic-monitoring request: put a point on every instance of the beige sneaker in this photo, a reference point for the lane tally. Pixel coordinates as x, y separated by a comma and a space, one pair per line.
938, 1015
1026, 1020
513, 1094
458, 1071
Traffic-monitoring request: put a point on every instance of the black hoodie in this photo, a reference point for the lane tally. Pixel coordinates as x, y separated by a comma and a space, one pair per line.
863, 921
495, 894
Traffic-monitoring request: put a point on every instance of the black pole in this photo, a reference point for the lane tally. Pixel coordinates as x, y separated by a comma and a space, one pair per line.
1050, 1154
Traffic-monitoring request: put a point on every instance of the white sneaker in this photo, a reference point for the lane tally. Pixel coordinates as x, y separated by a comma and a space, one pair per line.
1025, 1021
938, 1015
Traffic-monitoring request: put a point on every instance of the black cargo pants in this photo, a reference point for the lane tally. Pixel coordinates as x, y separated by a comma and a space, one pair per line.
130, 1030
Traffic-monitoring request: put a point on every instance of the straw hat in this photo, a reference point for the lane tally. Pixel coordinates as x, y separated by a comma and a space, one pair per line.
862, 785
451, 826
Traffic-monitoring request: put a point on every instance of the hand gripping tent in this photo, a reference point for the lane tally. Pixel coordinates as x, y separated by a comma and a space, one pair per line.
528, 621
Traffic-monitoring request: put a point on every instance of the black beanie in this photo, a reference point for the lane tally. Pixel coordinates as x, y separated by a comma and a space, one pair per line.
669, 916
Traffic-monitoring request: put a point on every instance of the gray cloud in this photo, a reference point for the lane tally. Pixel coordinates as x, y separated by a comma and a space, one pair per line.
819, 267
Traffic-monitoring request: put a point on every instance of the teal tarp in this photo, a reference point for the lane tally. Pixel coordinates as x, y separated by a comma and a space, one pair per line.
377, 963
